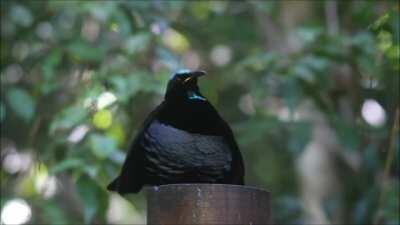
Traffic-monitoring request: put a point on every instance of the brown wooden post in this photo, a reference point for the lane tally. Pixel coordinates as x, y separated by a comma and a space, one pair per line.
184, 204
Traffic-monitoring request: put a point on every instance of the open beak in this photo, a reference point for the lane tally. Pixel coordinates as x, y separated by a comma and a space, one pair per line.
198, 73
195, 74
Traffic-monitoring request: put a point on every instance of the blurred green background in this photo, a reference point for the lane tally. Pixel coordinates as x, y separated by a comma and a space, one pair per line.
310, 88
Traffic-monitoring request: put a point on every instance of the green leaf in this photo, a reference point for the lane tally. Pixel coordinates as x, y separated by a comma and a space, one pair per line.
2, 112
122, 24
125, 86
102, 119
21, 15
49, 83
201, 10
137, 43
50, 63
88, 196
93, 198
21, 102
255, 129
365, 207
308, 34
67, 164
300, 134
347, 135
391, 203
80, 50
292, 94
117, 133
53, 213
371, 158
303, 71
317, 64
257, 62
380, 21
394, 52
102, 12
102, 146
384, 40
68, 118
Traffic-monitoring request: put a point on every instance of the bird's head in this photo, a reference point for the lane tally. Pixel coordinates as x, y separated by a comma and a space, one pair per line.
183, 86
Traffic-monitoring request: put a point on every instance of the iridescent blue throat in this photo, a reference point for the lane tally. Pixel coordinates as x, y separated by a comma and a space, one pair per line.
193, 96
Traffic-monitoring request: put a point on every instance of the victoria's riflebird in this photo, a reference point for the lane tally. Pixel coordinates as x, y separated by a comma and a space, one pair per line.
183, 140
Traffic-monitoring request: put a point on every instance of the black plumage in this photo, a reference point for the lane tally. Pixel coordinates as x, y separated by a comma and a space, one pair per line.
184, 140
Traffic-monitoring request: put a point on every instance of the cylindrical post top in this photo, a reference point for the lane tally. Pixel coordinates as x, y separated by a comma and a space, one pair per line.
180, 204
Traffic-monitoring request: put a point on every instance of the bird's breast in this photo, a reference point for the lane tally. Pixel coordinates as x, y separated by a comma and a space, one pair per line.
170, 150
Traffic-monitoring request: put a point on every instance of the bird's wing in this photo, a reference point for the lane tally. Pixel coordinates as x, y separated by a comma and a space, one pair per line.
222, 129
131, 177
237, 174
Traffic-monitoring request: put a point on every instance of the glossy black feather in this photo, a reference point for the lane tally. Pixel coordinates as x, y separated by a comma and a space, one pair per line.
182, 141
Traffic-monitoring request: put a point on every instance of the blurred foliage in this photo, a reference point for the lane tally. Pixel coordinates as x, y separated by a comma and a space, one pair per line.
79, 77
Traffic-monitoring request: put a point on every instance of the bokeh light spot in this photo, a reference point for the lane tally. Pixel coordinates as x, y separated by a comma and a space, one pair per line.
120, 211
78, 133
373, 113
114, 27
176, 41
191, 60
105, 99
102, 119
16, 211
12, 74
45, 31
221, 55
15, 162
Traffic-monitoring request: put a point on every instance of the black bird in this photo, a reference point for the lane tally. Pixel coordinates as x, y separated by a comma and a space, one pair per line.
184, 140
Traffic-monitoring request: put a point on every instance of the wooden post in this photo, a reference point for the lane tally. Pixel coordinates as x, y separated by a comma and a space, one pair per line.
184, 204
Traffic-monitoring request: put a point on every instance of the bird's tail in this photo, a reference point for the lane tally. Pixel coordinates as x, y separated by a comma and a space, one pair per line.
118, 185
113, 186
